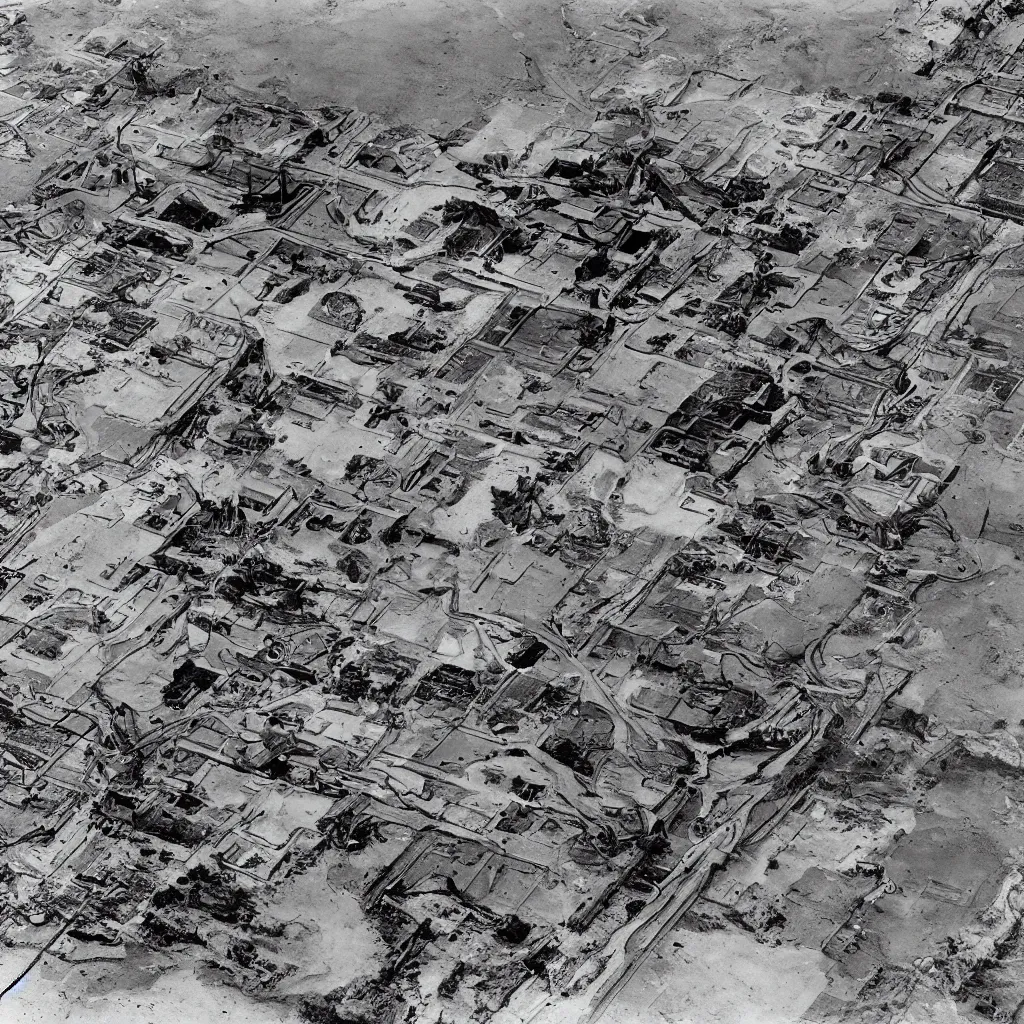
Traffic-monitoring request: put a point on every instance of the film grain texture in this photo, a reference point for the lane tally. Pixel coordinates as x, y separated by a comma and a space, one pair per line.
511, 513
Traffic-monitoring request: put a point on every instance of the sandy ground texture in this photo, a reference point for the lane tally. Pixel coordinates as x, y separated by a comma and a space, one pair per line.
439, 63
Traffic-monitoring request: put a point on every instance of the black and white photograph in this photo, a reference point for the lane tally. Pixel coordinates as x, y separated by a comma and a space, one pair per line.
511, 512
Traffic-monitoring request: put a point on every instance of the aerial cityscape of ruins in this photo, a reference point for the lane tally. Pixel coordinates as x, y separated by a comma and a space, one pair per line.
554, 567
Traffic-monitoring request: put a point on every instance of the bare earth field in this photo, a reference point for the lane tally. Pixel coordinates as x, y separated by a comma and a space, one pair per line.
439, 63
